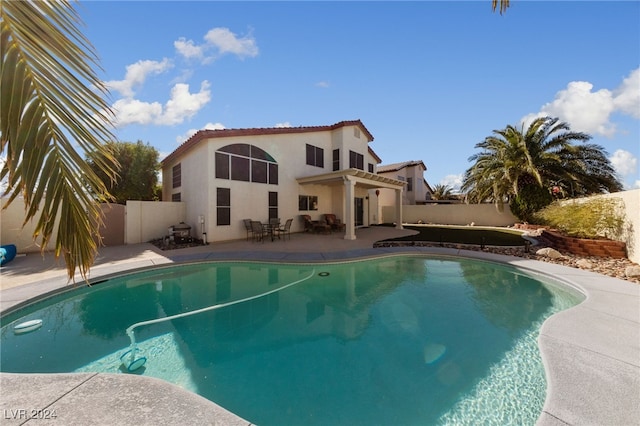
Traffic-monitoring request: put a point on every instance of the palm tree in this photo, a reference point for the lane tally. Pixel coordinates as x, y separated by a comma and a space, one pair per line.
442, 192
504, 4
543, 155
51, 110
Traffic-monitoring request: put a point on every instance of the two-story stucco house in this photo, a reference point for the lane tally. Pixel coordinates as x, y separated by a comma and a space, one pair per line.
416, 191
225, 176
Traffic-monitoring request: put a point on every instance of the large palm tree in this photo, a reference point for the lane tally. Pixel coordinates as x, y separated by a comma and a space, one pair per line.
544, 155
52, 112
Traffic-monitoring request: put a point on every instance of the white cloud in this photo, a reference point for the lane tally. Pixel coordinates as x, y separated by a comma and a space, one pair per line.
624, 162
188, 49
636, 184
454, 181
228, 42
184, 104
627, 96
285, 124
219, 41
132, 111
590, 111
323, 84
137, 74
181, 106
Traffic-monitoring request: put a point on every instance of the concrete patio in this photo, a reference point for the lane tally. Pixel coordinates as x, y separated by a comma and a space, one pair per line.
591, 352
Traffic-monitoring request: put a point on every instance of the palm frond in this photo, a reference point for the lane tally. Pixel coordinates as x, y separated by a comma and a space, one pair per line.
52, 109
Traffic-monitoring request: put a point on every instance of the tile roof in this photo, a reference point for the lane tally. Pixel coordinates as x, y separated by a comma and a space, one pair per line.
398, 166
224, 133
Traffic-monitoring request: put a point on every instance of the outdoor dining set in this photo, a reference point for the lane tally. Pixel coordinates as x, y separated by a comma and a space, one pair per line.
273, 229
258, 231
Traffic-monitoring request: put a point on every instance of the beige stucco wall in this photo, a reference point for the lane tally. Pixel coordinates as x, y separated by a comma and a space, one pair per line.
452, 214
12, 232
417, 195
149, 220
250, 200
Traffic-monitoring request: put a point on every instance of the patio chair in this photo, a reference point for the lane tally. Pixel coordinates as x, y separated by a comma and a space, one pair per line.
286, 229
308, 223
247, 227
335, 223
274, 227
258, 231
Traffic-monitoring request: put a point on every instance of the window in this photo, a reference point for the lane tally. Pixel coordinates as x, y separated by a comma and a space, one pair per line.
356, 161
176, 197
177, 175
409, 184
307, 202
315, 156
258, 171
222, 166
273, 205
240, 169
246, 163
223, 198
370, 166
336, 159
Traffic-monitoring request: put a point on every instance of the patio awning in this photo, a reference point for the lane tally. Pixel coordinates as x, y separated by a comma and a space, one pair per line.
360, 177
351, 178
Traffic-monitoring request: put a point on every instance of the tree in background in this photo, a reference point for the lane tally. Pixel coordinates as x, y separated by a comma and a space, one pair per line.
525, 165
442, 192
52, 110
138, 176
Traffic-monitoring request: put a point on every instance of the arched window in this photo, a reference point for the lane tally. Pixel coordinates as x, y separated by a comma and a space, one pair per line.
246, 163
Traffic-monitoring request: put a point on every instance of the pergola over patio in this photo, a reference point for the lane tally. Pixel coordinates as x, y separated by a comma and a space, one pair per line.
349, 179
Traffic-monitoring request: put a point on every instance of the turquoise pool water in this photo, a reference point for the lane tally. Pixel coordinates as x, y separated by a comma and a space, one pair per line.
400, 340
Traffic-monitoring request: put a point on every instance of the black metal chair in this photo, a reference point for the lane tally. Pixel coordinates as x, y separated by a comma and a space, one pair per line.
258, 231
286, 229
247, 226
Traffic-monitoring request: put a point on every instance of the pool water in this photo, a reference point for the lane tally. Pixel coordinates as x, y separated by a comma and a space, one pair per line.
397, 340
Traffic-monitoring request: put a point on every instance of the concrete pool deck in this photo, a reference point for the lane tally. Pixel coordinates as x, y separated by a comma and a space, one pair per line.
591, 352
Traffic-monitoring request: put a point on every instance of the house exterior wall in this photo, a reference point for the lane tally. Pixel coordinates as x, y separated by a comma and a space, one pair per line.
249, 200
417, 194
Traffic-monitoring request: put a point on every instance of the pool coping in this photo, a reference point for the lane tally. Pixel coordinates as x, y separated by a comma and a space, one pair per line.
591, 352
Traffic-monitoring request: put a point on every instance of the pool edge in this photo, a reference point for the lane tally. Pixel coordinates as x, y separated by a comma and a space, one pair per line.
593, 374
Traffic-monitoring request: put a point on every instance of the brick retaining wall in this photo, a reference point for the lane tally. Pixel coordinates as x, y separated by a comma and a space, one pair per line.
586, 247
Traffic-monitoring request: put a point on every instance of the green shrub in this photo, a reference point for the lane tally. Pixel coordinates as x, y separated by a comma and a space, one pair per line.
530, 199
593, 218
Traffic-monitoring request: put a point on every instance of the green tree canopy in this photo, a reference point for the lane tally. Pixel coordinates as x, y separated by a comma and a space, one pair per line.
138, 176
52, 110
442, 192
545, 155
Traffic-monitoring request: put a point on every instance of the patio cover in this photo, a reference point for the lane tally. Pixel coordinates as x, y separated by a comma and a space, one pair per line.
351, 178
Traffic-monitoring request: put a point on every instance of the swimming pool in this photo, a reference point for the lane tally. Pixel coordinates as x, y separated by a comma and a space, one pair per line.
402, 340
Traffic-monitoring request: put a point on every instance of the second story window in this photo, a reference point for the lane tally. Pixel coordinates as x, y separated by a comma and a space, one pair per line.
336, 159
246, 163
356, 160
409, 184
177, 175
315, 156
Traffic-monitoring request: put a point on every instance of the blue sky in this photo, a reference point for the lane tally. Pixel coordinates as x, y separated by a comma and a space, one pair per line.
428, 79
